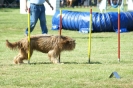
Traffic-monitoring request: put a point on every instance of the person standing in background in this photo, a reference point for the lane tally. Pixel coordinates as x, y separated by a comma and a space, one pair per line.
37, 11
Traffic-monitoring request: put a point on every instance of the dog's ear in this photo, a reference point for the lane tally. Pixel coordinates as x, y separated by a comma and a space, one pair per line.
73, 42
68, 41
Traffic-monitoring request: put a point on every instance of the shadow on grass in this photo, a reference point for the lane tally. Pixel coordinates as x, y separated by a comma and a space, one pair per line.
35, 63
93, 63
82, 63
88, 37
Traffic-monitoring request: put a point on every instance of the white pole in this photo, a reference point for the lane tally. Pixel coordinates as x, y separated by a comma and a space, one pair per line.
55, 4
130, 5
22, 6
103, 5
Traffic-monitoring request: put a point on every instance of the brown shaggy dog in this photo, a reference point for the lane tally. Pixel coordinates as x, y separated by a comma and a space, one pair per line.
53, 45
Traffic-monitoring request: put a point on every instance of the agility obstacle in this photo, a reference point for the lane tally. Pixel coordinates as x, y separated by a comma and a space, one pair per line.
28, 35
90, 31
119, 33
60, 27
116, 4
101, 22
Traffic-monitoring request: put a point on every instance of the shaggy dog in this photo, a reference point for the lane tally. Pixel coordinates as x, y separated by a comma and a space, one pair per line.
53, 45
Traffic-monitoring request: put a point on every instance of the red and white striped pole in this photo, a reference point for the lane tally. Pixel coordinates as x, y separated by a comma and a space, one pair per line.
119, 33
60, 27
90, 31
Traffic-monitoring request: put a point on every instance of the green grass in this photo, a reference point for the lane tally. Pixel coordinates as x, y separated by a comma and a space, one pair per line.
75, 72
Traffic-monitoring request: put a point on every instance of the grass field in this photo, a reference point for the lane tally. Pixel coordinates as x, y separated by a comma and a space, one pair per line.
75, 72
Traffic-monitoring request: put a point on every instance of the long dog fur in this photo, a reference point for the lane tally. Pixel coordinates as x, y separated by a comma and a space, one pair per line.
53, 45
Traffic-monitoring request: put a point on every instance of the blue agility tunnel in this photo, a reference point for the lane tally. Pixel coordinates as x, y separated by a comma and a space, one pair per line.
101, 22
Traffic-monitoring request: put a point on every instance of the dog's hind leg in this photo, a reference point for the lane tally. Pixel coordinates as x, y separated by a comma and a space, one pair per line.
23, 55
18, 59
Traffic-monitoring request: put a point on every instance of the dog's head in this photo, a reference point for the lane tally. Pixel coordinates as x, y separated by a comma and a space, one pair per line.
67, 43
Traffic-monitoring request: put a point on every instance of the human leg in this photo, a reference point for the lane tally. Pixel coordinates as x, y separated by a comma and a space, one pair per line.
42, 19
34, 14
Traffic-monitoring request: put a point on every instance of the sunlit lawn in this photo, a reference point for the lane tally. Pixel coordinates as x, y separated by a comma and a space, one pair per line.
76, 72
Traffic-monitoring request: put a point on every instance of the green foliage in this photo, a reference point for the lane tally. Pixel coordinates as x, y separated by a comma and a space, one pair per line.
76, 72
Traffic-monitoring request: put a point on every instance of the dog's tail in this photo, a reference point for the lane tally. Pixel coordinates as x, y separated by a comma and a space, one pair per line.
12, 45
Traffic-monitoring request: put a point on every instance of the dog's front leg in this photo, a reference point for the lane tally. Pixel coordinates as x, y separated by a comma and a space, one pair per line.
52, 56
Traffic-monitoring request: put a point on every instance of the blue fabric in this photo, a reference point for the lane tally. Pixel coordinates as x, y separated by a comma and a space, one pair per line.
122, 30
123, 20
84, 22
37, 12
101, 22
56, 20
